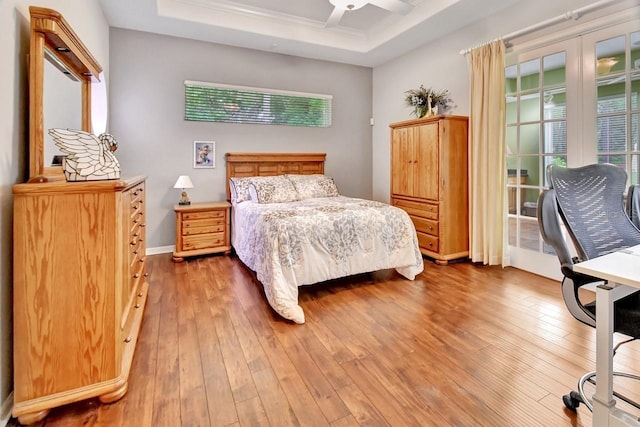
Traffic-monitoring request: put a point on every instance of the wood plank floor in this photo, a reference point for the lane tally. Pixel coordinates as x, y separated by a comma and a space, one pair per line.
462, 345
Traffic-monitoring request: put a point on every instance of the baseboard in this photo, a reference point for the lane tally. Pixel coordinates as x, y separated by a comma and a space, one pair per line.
5, 410
160, 250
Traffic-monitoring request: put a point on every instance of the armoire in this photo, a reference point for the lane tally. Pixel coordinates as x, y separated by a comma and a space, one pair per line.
429, 181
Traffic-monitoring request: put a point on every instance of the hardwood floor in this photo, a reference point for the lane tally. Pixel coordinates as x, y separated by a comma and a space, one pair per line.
462, 345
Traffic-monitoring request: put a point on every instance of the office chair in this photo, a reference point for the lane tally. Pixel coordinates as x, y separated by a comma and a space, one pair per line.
589, 200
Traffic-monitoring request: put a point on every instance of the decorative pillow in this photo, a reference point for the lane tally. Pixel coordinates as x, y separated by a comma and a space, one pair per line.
311, 186
240, 189
272, 189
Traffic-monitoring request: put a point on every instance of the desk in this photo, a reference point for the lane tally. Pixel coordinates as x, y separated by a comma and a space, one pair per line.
620, 269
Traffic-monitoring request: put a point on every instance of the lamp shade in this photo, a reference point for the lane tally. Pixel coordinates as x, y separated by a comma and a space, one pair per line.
183, 182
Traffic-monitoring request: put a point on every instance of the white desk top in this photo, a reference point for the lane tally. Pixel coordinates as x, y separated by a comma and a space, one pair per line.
619, 267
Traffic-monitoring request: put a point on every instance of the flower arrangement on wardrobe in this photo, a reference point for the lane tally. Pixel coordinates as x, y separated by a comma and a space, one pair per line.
428, 102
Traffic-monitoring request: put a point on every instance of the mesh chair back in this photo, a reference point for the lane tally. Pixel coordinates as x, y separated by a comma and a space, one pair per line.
633, 204
591, 204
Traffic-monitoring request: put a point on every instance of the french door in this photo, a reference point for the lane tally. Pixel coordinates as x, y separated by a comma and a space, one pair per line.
571, 103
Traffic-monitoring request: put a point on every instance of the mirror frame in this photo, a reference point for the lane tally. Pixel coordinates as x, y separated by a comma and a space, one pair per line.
50, 31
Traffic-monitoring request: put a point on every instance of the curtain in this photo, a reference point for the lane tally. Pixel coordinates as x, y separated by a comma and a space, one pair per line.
487, 163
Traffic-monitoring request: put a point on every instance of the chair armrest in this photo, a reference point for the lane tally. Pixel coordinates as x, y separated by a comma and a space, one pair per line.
551, 231
633, 205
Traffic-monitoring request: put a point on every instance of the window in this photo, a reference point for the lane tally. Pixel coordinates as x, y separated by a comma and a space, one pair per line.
213, 102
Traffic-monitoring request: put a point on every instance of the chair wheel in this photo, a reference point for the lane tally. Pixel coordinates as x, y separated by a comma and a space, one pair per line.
572, 401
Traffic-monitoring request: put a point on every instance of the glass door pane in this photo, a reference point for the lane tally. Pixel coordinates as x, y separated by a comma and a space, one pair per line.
617, 65
536, 136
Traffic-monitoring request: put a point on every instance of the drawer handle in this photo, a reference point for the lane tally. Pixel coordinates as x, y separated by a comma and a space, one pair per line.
430, 243
137, 306
133, 243
127, 339
143, 225
141, 259
141, 294
135, 252
135, 276
146, 274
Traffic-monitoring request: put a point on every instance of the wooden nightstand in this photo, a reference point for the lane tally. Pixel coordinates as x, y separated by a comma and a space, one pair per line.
201, 228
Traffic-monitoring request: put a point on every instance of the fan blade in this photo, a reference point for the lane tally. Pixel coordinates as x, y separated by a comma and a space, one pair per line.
335, 17
395, 6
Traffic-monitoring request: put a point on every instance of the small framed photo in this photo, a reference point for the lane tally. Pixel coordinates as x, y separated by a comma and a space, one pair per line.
204, 154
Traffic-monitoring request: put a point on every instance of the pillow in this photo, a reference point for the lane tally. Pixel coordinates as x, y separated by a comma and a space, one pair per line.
240, 189
316, 185
272, 189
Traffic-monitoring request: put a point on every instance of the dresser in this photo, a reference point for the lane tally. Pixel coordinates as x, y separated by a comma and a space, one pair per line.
80, 288
201, 229
429, 181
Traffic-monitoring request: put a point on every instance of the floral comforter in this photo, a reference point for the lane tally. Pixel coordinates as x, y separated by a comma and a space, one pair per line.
313, 240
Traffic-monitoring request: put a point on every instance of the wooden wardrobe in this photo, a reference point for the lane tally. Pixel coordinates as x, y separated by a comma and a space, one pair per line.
429, 181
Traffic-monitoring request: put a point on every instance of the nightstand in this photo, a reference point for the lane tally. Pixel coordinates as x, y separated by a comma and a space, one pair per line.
201, 229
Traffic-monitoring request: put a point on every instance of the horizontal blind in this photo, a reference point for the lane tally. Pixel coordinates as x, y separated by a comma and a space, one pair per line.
215, 102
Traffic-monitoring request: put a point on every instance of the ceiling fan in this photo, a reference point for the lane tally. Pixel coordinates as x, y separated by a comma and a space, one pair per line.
342, 6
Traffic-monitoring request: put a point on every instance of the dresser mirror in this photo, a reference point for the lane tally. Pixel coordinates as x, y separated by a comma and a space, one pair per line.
61, 72
62, 105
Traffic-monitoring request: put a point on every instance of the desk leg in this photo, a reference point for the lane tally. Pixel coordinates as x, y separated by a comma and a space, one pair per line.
603, 397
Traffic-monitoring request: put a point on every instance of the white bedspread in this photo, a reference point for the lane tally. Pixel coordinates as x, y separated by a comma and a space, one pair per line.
310, 241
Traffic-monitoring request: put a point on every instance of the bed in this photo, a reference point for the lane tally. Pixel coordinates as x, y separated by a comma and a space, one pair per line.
291, 227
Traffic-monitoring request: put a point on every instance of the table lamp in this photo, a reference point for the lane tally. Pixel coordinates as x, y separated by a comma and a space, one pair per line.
184, 182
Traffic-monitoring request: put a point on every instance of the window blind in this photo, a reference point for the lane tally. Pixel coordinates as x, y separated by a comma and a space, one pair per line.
215, 102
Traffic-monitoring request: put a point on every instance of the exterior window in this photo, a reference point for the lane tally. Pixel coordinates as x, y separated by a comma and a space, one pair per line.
618, 84
212, 102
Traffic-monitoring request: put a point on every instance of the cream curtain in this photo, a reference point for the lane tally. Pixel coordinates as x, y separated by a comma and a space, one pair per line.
487, 165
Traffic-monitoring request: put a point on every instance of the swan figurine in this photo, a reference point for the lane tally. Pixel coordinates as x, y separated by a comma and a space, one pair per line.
89, 157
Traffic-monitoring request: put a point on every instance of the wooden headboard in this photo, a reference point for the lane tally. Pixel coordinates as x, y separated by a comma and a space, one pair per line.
269, 164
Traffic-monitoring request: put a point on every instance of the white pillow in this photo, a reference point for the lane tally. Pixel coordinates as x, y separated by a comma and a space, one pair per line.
240, 189
312, 186
272, 189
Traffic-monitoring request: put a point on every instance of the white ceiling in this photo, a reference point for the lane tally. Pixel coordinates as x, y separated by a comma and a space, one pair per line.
368, 36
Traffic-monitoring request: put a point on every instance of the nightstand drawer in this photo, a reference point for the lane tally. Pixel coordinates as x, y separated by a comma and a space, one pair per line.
203, 241
202, 229
218, 214
204, 222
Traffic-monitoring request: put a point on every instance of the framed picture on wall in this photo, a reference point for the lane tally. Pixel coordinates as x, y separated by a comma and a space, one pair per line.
204, 154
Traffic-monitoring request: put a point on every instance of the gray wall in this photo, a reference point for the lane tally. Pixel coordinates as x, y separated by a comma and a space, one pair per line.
146, 115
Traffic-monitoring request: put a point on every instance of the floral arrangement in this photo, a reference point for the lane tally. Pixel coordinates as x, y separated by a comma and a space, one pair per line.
419, 100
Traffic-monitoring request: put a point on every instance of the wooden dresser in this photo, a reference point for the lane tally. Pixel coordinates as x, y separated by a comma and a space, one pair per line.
80, 288
201, 229
429, 181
